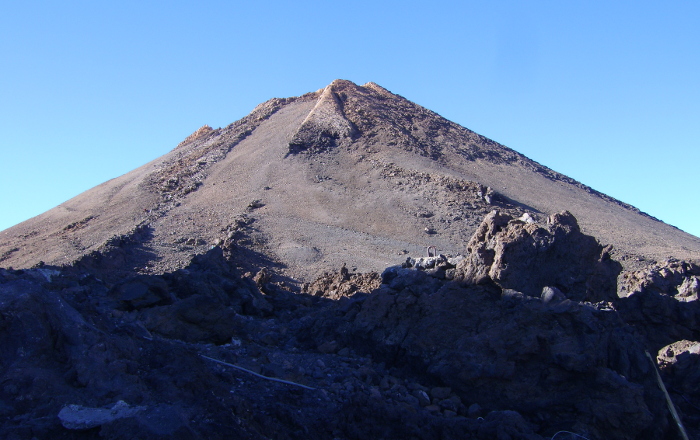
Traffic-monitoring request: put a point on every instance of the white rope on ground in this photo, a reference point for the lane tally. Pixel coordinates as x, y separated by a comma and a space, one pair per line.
274, 379
568, 432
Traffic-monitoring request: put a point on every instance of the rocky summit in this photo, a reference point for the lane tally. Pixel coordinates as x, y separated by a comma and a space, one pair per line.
347, 265
347, 174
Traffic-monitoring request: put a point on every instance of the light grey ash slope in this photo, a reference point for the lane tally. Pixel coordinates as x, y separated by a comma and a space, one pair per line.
348, 174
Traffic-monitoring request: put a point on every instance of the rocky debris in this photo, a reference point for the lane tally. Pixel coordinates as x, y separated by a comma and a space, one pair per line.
6, 254
201, 132
439, 266
416, 309
141, 292
527, 257
453, 201
384, 118
486, 193
79, 224
680, 366
185, 171
262, 278
235, 230
255, 204
674, 278
209, 352
342, 284
67, 356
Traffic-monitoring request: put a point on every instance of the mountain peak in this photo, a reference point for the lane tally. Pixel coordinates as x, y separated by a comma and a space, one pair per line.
199, 133
347, 174
342, 83
326, 122
347, 86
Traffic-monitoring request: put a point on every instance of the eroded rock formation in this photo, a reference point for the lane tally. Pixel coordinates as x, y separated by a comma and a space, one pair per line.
527, 257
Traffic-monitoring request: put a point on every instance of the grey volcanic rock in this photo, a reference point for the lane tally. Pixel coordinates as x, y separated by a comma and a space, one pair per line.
67, 354
342, 284
672, 277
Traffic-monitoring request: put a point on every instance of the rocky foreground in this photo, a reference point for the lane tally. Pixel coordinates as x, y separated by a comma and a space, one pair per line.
535, 333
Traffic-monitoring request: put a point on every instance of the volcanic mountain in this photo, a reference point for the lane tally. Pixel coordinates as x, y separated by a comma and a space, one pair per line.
348, 174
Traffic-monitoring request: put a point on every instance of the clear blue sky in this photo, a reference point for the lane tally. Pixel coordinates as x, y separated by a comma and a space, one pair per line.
605, 92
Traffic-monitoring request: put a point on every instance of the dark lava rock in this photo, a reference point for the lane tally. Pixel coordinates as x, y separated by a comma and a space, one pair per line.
141, 292
527, 257
510, 349
680, 363
514, 353
661, 302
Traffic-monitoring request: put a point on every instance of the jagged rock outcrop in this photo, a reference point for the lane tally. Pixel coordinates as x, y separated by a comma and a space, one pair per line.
680, 279
561, 366
525, 256
72, 345
661, 302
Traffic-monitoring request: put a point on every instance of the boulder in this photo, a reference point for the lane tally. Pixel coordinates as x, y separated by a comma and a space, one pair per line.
525, 256
141, 292
660, 301
81, 417
680, 365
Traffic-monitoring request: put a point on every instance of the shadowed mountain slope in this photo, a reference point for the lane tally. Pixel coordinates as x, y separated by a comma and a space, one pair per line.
347, 174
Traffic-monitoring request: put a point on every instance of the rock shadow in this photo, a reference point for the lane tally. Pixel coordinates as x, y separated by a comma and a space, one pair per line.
121, 256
